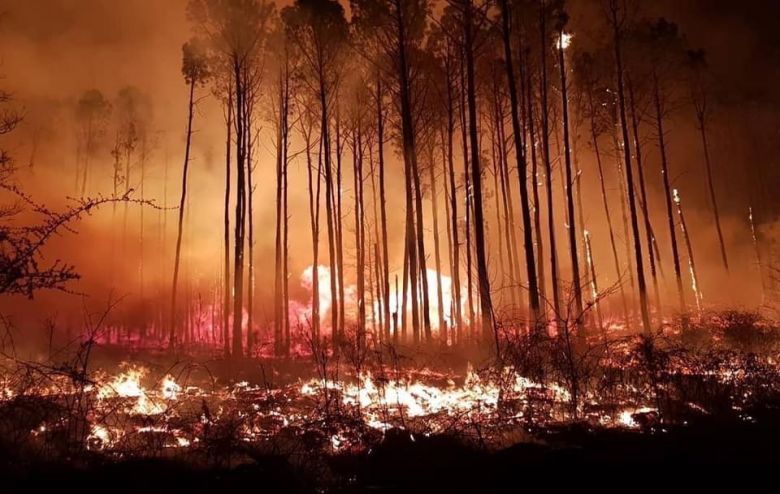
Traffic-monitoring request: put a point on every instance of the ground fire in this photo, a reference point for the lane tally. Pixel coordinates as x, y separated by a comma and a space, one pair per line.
344, 246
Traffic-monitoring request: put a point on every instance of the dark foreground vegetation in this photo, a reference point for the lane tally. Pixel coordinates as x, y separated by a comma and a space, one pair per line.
435, 464
708, 394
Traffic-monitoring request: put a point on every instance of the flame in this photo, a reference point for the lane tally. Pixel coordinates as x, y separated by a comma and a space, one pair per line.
564, 41
169, 388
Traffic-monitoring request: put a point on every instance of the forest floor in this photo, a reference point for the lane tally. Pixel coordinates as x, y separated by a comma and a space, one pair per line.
433, 464
146, 421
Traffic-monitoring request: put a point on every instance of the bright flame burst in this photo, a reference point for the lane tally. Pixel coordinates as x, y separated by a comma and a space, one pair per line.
564, 41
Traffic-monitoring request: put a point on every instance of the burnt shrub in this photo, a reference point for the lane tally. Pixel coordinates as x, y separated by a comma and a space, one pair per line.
747, 331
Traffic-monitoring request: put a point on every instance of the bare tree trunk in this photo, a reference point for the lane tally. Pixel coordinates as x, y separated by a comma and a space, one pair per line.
455, 250
421, 256
575, 263
691, 262
360, 235
437, 255
613, 244
594, 286
510, 227
497, 198
547, 165
522, 166
182, 202
339, 219
403, 309
278, 294
383, 204
329, 202
410, 165
537, 218
629, 171
314, 213
286, 246
250, 304
468, 194
668, 192
448, 335
702, 119
624, 215
650, 236
87, 153
226, 281
239, 229
476, 178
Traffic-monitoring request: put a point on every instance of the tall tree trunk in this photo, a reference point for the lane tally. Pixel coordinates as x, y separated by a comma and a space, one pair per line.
613, 244
691, 262
240, 215
329, 202
421, 256
182, 202
650, 236
226, 280
469, 198
702, 119
547, 162
278, 290
339, 218
410, 164
509, 209
383, 204
360, 238
437, 255
629, 171
250, 303
455, 259
476, 177
522, 167
497, 199
624, 214
314, 214
572, 230
594, 286
668, 192
447, 336
537, 216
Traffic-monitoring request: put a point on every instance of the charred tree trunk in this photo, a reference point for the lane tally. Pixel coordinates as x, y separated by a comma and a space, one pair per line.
360, 245
608, 215
575, 263
455, 248
522, 167
437, 254
691, 262
383, 205
240, 215
617, 35
278, 295
547, 163
314, 214
182, 202
668, 192
410, 165
701, 117
339, 218
652, 248
476, 178
226, 239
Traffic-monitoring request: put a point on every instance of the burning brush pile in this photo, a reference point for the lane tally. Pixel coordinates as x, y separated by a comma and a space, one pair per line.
184, 412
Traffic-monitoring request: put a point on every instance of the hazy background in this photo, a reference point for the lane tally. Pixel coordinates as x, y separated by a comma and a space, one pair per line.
54, 50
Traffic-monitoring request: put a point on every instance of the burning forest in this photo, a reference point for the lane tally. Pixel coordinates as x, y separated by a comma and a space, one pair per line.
344, 246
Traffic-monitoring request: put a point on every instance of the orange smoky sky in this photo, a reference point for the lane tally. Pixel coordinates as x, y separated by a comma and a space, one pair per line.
52, 51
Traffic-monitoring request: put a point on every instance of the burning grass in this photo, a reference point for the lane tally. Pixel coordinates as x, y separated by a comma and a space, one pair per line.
63, 413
